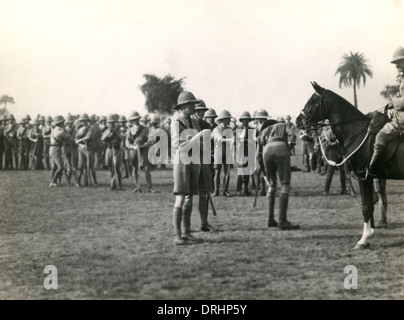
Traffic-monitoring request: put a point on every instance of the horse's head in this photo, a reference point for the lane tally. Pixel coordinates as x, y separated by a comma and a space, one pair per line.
313, 110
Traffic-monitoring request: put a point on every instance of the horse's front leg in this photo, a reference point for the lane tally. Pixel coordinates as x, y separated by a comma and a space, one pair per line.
366, 189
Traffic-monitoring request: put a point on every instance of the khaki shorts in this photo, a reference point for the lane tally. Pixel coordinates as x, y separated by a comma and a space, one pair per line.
186, 178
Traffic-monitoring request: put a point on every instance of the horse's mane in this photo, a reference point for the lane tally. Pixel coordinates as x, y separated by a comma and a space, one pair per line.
354, 113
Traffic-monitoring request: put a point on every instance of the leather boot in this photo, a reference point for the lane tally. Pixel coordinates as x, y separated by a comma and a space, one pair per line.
374, 162
238, 186
203, 212
328, 180
271, 209
177, 218
94, 176
246, 180
342, 176
263, 184
284, 224
186, 223
149, 183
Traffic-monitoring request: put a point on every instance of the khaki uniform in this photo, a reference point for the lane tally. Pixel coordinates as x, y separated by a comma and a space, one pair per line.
57, 139
24, 145
113, 155
86, 155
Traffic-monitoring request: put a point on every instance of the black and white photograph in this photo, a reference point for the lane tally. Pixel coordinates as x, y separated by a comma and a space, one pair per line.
219, 152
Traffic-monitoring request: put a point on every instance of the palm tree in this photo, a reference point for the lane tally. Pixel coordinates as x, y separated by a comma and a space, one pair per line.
352, 70
6, 99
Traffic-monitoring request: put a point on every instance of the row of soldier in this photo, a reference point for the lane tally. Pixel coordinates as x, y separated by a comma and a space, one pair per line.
27, 146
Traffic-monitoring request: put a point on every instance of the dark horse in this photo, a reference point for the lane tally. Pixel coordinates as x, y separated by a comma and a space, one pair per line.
351, 129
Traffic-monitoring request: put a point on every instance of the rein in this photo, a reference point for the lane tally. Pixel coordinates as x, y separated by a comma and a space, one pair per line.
333, 163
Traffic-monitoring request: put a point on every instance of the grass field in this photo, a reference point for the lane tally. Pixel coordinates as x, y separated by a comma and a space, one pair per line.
119, 245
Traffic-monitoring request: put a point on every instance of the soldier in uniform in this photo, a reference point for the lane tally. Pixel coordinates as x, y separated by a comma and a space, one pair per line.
243, 180
102, 124
394, 129
2, 127
113, 153
97, 140
291, 130
57, 139
137, 143
308, 139
123, 129
11, 144
85, 141
155, 131
37, 146
46, 133
223, 157
69, 149
276, 159
210, 116
23, 140
332, 151
206, 180
186, 176
260, 117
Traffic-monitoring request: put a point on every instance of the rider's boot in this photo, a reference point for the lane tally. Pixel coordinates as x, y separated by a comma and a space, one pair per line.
271, 209
284, 224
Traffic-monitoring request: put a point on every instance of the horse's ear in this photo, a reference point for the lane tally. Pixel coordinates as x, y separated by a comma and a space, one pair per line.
317, 88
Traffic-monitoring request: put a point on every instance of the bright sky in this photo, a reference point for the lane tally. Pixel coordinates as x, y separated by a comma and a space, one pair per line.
60, 56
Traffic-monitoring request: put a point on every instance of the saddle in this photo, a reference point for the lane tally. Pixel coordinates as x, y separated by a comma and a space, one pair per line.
377, 122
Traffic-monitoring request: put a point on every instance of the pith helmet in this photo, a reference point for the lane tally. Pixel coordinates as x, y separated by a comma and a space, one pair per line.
11, 117
184, 98
103, 118
42, 118
84, 117
27, 117
155, 118
201, 105
211, 113
288, 117
69, 119
398, 55
48, 119
111, 118
280, 120
261, 114
245, 116
93, 117
122, 119
134, 115
224, 115
144, 118
58, 119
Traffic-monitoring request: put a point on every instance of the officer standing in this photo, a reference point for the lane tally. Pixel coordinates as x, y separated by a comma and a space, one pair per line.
57, 139
46, 133
186, 175
205, 180
113, 154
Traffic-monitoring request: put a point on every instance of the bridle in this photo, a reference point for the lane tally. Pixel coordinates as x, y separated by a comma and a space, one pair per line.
307, 117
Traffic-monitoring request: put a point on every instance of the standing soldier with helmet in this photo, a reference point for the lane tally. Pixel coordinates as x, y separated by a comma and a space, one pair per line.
206, 178
85, 141
187, 176
57, 139
102, 124
245, 119
36, 152
46, 133
23, 140
210, 116
11, 144
260, 117
2, 126
113, 153
97, 139
123, 129
291, 131
68, 150
223, 137
136, 141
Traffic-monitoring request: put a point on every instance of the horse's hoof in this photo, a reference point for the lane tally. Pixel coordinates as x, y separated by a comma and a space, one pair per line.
361, 246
